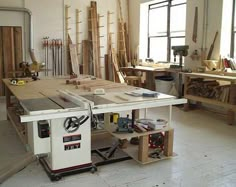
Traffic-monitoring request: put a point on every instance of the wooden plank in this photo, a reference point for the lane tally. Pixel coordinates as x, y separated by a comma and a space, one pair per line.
85, 56
143, 148
74, 59
168, 142
106, 67
116, 67
8, 50
18, 47
1, 64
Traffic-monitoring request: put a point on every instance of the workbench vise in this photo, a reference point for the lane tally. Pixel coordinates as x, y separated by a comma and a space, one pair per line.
181, 50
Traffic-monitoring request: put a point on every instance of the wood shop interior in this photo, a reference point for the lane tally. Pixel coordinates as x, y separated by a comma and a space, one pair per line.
117, 93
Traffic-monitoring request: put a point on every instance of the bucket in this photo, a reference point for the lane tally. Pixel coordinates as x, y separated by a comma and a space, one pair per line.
164, 84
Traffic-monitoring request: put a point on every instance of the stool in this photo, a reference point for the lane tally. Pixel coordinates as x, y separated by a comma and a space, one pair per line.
133, 80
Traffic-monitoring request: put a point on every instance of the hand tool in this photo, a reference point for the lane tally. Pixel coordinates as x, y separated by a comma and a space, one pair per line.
124, 125
212, 46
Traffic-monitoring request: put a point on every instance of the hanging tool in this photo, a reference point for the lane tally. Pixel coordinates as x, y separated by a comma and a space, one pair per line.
212, 46
60, 49
45, 45
195, 25
53, 43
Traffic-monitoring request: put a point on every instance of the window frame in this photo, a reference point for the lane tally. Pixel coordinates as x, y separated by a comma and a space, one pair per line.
168, 33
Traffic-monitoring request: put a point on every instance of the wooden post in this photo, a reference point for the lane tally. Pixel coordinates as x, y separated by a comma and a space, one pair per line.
230, 116
77, 34
67, 42
1, 64
168, 142
107, 120
143, 148
85, 48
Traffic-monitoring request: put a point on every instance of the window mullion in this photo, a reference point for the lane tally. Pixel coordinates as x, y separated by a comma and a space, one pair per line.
168, 32
232, 32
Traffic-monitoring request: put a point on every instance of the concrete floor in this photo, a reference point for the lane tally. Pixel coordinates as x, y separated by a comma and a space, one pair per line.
205, 147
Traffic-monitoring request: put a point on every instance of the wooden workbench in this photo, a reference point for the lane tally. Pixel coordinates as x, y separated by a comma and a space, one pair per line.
42, 96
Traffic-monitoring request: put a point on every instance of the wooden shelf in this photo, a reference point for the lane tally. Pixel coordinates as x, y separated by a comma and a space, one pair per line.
140, 152
210, 101
19, 127
132, 151
122, 136
232, 79
210, 76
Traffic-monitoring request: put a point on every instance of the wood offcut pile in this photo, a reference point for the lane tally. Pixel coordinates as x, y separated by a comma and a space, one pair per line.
212, 89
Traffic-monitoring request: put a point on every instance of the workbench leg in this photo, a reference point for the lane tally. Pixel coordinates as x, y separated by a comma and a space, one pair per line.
186, 106
170, 115
8, 99
168, 143
230, 117
107, 120
143, 148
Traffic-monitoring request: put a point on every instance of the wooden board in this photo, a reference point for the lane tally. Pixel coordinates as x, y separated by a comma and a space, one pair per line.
1, 64
118, 76
18, 47
85, 56
8, 50
74, 59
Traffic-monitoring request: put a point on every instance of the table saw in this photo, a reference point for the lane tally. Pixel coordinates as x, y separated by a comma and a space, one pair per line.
58, 117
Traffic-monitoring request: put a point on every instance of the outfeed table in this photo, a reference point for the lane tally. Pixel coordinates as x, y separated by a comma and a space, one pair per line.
41, 100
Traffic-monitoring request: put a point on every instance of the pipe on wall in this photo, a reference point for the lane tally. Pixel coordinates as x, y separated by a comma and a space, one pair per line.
25, 10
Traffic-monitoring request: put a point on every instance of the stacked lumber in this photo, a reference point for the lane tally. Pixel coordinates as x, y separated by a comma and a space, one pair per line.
88, 84
94, 38
209, 89
10, 53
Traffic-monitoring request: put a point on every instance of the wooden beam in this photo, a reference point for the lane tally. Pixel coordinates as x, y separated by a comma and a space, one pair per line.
8, 50
168, 142
143, 149
74, 59
85, 56
1, 64
18, 47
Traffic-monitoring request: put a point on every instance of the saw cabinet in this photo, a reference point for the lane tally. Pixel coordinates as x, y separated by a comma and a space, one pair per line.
218, 90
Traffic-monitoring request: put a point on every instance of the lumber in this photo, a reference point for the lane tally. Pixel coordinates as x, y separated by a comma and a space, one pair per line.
1, 64
143, 148
18, 47
74, 59
8, 50
168, 142
118, 76
85, 57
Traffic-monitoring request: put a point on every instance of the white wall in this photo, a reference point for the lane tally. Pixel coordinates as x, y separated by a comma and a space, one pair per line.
214, 24
48, 20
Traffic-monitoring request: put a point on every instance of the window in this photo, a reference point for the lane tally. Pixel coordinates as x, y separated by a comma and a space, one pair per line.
233, 35
166, 28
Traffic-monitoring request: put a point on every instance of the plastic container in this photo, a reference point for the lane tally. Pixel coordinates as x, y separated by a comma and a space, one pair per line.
164, 84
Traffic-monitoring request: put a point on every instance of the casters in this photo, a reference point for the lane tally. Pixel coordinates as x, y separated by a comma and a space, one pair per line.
93, 169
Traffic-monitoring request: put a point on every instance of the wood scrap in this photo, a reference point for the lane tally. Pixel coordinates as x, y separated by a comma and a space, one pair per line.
118, 75
74, 59
85, 57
